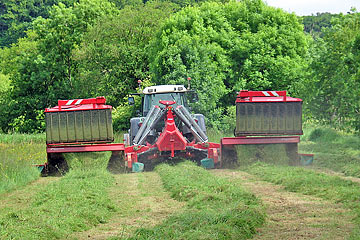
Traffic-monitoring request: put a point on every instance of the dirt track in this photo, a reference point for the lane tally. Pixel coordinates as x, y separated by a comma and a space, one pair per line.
292, 215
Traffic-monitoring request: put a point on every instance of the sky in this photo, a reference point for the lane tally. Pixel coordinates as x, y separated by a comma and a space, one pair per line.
308, 7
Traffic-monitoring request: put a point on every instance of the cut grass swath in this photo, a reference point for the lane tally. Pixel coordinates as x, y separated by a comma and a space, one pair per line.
76, 202
216, 209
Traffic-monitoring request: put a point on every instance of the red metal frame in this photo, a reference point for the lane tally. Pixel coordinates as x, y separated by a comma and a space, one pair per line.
80, 104
259, 140
264, 96
85, 148
97, 100
170, 140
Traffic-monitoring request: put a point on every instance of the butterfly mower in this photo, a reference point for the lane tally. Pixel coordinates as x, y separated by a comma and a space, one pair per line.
165, 130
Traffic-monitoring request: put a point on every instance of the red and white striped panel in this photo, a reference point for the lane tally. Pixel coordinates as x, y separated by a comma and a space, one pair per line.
245, 94
270, 93
74, 102
98, 100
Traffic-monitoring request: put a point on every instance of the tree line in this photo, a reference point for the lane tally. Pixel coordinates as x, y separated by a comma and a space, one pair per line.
77, 49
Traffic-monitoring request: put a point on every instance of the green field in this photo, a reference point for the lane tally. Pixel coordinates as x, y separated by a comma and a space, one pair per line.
19, 152
182, 201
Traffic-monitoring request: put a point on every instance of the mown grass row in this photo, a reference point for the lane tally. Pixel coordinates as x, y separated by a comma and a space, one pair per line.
297, 179
76, 202
333, 149
215, 209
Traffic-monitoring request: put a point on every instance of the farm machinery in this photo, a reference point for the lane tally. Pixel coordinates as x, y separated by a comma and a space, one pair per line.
165, 129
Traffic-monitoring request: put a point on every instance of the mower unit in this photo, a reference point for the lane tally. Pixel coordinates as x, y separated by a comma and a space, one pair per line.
79, 125
264, 118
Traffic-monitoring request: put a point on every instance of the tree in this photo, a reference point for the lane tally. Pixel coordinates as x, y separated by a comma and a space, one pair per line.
331, 89
16, 17
228, 47
315, 23
47, 71
113, 55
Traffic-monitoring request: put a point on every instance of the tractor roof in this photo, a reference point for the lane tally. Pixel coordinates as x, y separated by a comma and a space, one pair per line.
164, 89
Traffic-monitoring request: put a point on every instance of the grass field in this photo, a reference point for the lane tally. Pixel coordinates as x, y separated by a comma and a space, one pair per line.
306, 181
18, 152
335, 150
75, 203
177, 202
216, 209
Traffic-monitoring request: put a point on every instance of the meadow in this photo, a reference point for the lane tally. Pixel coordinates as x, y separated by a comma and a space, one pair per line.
201, 204
18, 154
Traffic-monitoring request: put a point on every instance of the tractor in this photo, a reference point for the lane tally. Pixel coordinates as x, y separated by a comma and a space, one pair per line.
166, 130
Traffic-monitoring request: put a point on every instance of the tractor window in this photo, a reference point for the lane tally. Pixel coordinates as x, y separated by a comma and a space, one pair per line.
153, 99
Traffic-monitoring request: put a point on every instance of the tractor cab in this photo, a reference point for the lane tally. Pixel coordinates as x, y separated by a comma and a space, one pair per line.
153, 95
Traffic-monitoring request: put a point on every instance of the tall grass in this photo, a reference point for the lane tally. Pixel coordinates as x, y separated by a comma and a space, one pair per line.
216, 209
333, 149
249, 154
216, 135
87, 160
16, 160
20, 138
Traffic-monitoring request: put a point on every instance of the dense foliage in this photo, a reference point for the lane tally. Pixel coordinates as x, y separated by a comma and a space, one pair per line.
224, 48
332, 87
114, 51
16, 16
315, 23
63, 49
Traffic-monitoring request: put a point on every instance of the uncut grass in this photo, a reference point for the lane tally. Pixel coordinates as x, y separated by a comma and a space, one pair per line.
215, 208
77, 202
216, 135
16, 163
308, 182
23, 138
333, 149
